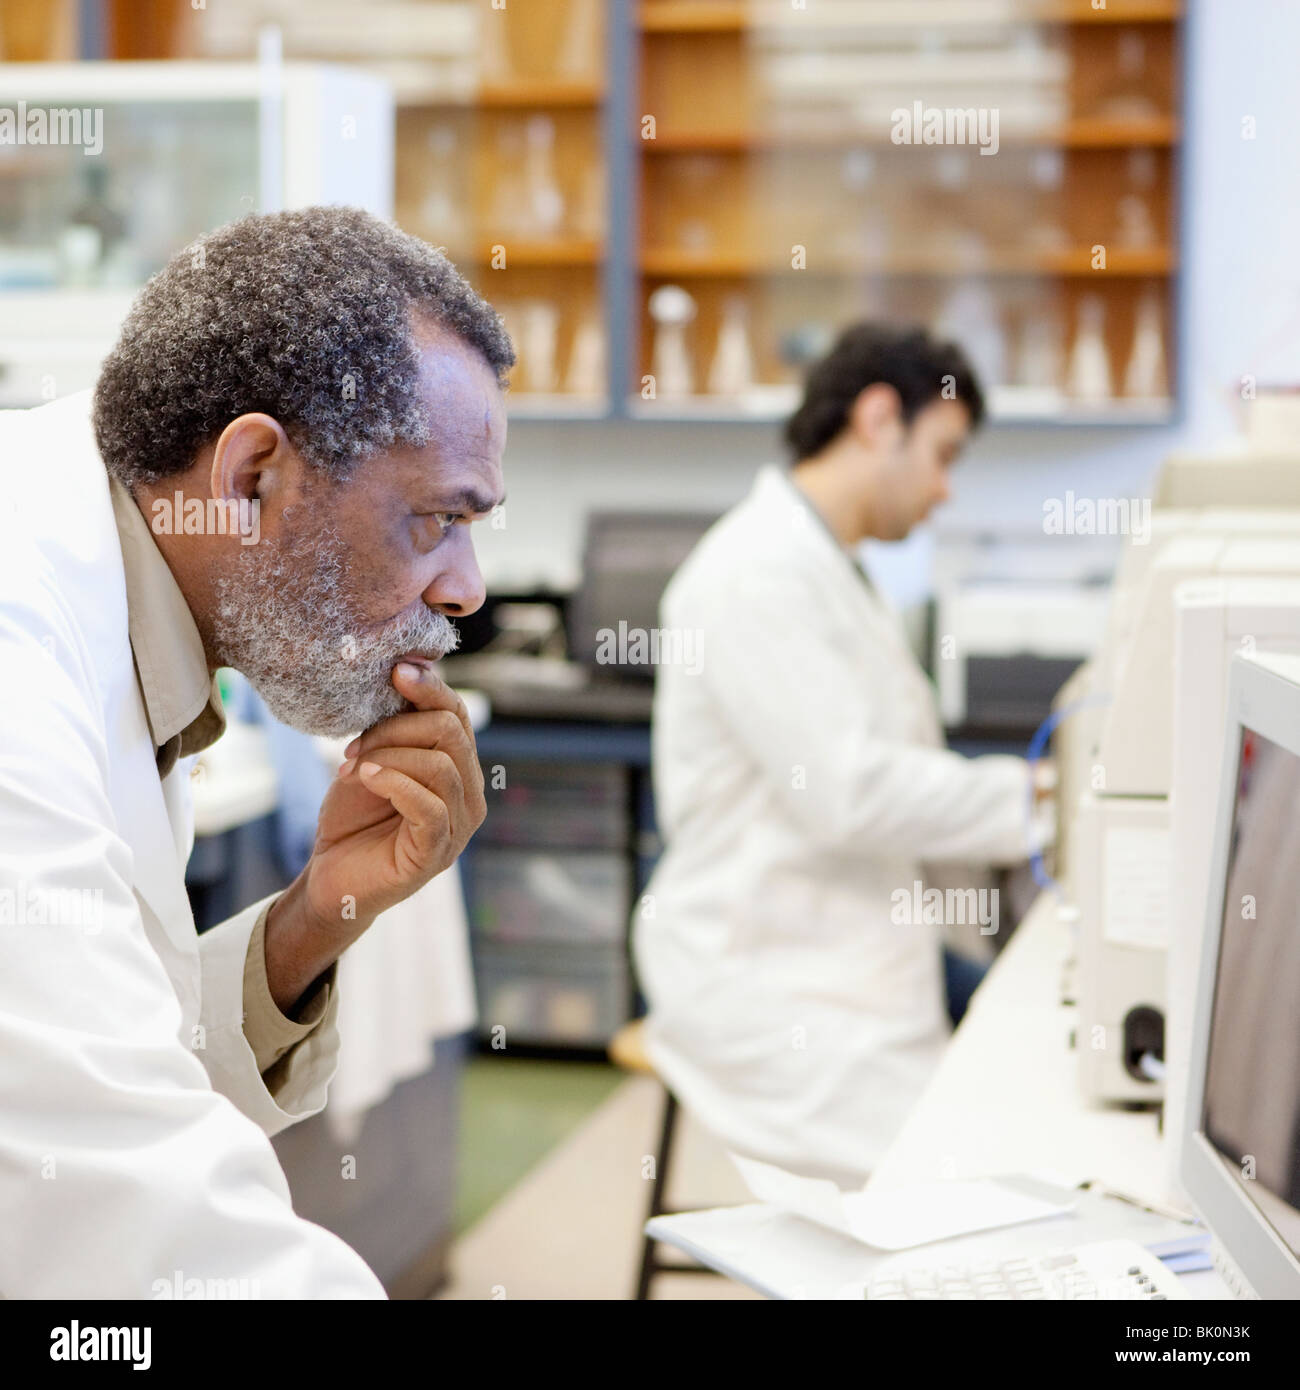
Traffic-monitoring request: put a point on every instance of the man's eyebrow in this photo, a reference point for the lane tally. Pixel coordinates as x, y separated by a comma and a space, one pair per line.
469, 499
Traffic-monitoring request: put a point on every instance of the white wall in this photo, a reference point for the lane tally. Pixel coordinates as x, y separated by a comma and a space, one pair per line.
1241, 298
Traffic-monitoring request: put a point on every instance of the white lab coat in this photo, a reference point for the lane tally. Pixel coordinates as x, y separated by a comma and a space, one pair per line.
134, 1125
800, 781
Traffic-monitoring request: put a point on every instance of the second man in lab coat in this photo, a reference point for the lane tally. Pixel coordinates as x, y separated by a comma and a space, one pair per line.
797, 1006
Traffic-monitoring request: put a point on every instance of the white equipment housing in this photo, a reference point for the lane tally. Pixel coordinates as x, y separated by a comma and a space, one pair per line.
1120, 857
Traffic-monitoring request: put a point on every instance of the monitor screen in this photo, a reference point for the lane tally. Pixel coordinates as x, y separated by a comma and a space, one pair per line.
628, 559
1251, 1109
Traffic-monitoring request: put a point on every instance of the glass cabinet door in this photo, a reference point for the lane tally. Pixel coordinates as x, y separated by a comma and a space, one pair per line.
76, 217
1004, 175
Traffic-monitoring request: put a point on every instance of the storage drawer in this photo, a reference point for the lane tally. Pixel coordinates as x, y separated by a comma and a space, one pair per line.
549, 896
563, 997
567, 805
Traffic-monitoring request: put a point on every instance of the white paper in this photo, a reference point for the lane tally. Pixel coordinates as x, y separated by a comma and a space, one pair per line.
815, 1198
897, 1218
908, 1216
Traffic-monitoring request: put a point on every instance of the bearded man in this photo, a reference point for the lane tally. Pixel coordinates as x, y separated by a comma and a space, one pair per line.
277, 471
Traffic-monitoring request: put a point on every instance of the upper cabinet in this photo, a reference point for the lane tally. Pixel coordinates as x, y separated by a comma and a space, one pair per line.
512, 181
676, 203
115, 166
1003, 172
499, 148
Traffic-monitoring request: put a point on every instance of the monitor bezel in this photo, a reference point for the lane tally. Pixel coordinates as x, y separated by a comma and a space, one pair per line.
1265, 702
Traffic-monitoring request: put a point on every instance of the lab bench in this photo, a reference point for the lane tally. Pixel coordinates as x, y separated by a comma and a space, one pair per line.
1004, 1099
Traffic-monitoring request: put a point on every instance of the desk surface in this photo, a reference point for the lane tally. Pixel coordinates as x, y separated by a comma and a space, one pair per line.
1006, 1097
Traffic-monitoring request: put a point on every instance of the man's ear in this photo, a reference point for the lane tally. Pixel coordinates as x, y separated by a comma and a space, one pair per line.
875, 414
252, 458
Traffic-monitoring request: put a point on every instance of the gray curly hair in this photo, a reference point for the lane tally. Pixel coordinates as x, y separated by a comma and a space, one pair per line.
305, 315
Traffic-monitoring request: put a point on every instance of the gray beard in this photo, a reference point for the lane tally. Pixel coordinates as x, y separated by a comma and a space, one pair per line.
286, 625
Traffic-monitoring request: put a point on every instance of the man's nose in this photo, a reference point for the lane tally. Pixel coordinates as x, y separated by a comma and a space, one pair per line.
458, 590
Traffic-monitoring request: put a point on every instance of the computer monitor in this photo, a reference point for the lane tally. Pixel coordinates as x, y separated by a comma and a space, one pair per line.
1240, 1140
628, 559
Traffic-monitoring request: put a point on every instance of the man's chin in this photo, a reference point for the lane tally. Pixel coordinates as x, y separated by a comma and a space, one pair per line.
310, 716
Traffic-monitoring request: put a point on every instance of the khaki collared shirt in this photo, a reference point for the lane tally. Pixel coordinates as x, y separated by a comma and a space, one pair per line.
183, 705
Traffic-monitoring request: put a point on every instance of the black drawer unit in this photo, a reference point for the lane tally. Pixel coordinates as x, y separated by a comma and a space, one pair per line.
552, 877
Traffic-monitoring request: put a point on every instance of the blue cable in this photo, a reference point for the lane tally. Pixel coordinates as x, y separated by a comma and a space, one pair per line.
1033, 755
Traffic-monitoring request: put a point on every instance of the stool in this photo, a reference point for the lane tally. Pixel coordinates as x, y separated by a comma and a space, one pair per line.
627, 1052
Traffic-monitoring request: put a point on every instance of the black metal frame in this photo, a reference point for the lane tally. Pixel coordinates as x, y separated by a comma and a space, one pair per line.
651, 1265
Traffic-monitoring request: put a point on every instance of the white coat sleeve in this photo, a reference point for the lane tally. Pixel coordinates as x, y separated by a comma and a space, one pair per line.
121, 1168
797, 706
297, 1085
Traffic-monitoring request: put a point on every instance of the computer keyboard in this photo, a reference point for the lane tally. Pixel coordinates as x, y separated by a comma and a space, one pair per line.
1103, 1269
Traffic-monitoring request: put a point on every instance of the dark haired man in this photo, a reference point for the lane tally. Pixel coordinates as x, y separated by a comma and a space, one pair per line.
284, 452
796, 1008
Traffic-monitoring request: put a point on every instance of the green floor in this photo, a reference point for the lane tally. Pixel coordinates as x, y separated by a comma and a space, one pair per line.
513, 1112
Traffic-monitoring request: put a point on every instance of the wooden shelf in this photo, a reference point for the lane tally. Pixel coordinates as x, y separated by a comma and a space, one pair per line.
1116, 12
534, 405
1080, 134
1005, 408
733, 16
564, 251
701, 70
540, 93
664, 264
506, 96
714, 142
694, 16
761, 404
1159, 260
1098, 133
767, 404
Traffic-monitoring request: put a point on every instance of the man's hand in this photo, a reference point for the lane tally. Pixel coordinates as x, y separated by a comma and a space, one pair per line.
401, 810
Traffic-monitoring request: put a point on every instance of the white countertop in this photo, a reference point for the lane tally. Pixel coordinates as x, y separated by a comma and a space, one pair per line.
1006, 1099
